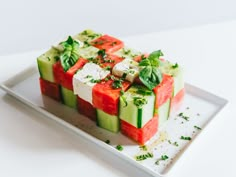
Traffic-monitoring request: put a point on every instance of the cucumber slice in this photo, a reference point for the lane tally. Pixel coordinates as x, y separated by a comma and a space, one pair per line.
107, 121
127, 53
88, 52
87, 35
163, 112
177, 72
131, 112
45, 64
68, 97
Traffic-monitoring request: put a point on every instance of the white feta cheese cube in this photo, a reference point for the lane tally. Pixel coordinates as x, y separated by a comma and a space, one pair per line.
86, 78
126, 67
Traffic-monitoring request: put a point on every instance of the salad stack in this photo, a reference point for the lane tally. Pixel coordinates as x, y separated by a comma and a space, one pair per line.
119, 88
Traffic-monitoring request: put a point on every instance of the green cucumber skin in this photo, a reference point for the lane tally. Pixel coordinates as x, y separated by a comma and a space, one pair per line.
135, 116
107, 121
68, 98
163, 112
176, 73
45, 64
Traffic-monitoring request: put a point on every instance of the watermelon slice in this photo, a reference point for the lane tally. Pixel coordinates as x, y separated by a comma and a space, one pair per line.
108, 43
86, 109
163, 91
50, 89
65, 78
177, 101
106, 98
141, 135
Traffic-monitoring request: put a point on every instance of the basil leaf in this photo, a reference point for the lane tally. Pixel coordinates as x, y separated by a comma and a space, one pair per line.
145, 62
70, 54
150, 77
154, 57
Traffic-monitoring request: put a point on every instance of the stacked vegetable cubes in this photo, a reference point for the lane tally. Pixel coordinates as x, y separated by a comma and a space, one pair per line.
115, 86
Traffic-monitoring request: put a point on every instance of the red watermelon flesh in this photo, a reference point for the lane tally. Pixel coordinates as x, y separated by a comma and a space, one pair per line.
50, 89
141, 135
86, 109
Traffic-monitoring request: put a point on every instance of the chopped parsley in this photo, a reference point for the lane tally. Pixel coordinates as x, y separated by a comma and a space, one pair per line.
175, 66
183, 116
119, 147
107, 141
173, 143
88, 76
197, 127
95, 80
49, 59
57, 58
108, 68
144, 156
163, 158
113, 43
117, 83
144, 148
185, 138
139, 101
102, 53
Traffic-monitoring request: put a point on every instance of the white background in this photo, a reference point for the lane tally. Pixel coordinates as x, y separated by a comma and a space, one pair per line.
30, 24
32, 146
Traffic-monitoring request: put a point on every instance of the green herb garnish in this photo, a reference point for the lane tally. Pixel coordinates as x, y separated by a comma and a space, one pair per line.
139, 101
95, 80
183, 116
150, 75
175, 143
185, 138
144, 156
197, 127
119, 147
102, 53
107, 141
175, 66
163, 158
70, 53
144, 148
117, 83
108, 68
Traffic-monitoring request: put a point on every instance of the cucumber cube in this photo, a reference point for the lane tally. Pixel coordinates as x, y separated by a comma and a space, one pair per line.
45, 64
87, 35
107, 121
137, 106
163, 112
68, 97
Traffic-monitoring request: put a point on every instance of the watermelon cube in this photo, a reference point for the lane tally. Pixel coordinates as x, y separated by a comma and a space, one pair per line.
86, 109
141, 135
163, 91
108, 43
177, 101
50, 89
106, 98
65, 78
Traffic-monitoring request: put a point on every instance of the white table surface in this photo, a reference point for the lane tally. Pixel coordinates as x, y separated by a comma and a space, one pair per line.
33, 146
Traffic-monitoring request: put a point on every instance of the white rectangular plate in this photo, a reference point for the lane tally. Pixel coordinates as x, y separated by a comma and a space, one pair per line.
200, 106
